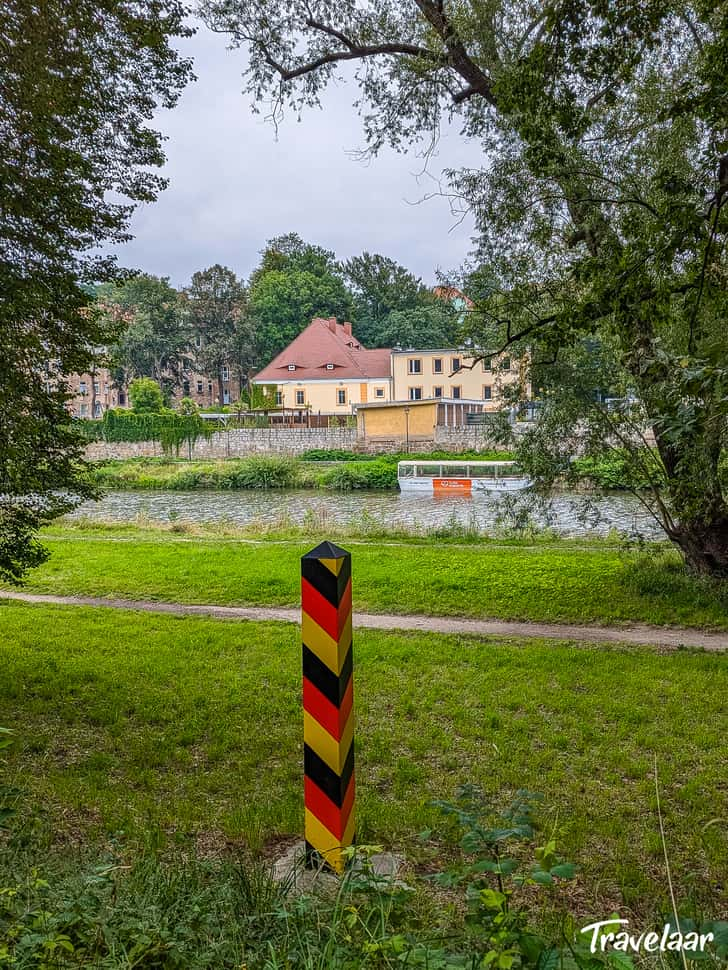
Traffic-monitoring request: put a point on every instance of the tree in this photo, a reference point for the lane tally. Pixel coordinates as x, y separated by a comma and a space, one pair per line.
79, 83
602, 212
294, 283
216, 305
146, 396
421, 328
155, 329
381, 286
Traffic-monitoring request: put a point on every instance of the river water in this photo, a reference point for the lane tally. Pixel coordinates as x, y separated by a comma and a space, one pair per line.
568, 514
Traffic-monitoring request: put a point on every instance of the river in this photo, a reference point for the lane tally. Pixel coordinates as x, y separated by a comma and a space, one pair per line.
569, 514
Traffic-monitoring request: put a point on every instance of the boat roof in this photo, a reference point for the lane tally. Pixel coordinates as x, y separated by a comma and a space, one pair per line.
455, 461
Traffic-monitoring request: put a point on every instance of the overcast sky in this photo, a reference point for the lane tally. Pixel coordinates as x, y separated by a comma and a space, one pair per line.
233, 184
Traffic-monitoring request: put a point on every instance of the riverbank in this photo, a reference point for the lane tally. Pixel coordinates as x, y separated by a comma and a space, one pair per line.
571, 581
334, 470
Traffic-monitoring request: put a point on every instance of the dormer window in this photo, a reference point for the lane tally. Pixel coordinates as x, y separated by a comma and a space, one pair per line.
329, 367
291, 367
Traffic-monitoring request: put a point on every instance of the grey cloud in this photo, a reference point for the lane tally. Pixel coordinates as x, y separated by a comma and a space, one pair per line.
233, 184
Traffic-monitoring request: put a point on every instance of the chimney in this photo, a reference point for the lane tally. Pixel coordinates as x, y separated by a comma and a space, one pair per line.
332, 324
347, 328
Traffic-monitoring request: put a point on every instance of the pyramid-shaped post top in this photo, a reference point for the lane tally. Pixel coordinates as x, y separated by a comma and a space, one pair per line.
326, 550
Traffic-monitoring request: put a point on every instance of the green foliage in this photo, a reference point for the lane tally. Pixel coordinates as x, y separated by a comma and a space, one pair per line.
145, 396
421, 328
393, 306
183, 915
219, 317
380, 473
188, 407
612, 471
295, 282
155, 332
81, 84
264, 471
170, 429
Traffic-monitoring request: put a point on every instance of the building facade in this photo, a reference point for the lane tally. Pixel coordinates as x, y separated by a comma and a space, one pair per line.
91, 395
418, 375
325, 370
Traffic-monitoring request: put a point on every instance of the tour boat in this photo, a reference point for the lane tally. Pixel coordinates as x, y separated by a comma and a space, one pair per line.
460, 477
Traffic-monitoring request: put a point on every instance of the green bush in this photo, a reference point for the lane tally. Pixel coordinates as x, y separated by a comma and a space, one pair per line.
170, 429
610, 471
265, 471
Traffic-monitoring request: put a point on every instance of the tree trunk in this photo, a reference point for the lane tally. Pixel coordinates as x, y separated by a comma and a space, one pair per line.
220, 388
704, 544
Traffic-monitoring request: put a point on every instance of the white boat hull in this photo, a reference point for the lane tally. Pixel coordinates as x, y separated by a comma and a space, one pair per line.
463, 486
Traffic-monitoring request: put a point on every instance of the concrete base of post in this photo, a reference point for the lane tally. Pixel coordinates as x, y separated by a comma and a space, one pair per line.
289, 870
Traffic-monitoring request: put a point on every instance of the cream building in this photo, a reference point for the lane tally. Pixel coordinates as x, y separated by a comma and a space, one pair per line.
418, 375
326, 370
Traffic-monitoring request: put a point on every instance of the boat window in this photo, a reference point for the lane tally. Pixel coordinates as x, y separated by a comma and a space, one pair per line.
454, 471
481, 471
428, 471
406, 471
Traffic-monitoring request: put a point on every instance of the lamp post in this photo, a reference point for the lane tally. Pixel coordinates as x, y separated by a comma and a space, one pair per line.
406, 429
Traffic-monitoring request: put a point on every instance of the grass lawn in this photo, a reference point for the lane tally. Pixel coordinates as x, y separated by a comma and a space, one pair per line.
187, 731
577, 582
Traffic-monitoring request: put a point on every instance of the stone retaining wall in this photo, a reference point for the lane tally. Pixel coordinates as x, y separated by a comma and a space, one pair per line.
235, 444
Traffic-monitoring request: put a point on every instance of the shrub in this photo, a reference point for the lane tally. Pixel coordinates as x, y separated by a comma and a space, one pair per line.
146, 396
266, 471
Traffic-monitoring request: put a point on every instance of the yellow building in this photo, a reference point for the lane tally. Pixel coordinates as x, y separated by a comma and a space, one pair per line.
418, 375
409, 422
326, 370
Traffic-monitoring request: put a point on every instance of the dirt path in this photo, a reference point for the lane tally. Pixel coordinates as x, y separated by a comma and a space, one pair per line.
667, 637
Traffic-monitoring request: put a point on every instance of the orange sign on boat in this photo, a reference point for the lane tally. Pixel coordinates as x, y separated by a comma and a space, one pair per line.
462, 485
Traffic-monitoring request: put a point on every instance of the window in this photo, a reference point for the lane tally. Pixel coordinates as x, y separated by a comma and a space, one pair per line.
97, 409
300, 397
279, 398
506, 363
291, 367
437, 392
488, 364
225, 372
186, 388
437, 365
106, 388
97, 387
82, 387
378, 392
329, 367
455, 364
414, 365
199, 387
198, 341
457, 392
415, 393
341, 395
122, 397
487, 392
209, 387
83, 410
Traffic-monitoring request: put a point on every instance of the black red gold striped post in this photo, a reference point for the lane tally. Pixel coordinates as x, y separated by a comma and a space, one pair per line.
328, 716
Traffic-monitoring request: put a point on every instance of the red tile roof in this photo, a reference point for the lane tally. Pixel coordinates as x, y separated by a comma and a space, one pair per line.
326, 342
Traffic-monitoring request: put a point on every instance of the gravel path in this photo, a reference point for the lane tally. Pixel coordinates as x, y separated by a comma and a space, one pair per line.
666, 637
